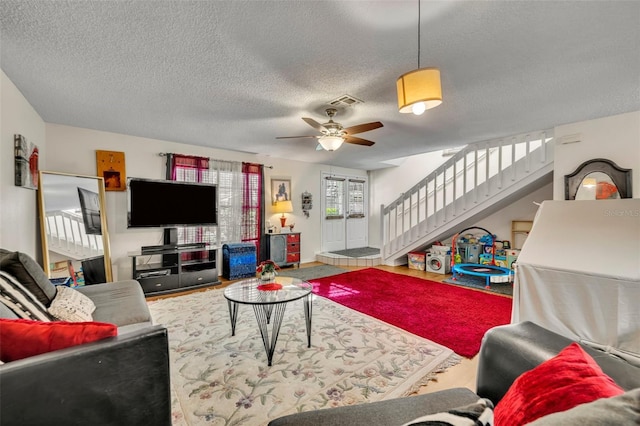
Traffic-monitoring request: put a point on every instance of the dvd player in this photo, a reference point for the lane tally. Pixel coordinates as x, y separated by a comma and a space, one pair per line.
150, 274
170, 247
191, 246
157, 249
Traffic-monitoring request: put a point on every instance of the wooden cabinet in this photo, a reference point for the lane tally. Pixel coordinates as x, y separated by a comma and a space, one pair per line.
293, 249
284, 249
519, 232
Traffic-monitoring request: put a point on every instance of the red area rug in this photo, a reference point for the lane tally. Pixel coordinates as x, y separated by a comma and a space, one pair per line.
452, 316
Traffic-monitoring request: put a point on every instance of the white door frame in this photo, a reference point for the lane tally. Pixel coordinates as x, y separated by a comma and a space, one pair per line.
346, 229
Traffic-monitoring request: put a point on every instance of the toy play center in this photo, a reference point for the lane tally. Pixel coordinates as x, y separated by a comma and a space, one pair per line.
473, 253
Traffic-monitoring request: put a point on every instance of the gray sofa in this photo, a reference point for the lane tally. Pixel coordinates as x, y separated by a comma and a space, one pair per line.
506, 353
122, 380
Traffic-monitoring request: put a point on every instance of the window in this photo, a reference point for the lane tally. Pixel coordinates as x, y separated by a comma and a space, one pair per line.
356, 198
240, 199
334, 200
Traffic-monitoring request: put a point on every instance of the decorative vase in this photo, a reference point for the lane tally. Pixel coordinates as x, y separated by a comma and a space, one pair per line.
267, 276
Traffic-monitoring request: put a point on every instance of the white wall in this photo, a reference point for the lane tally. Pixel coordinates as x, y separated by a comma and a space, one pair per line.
18, 212
72, 150
616, 138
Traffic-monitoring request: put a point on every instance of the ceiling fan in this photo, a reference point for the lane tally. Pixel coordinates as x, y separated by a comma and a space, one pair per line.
334, 135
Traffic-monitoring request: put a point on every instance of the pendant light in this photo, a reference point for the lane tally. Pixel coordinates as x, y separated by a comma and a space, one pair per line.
420, 89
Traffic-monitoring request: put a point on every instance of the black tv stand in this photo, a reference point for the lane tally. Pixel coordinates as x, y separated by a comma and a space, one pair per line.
171, 268
157, 249
172, 247
192, 246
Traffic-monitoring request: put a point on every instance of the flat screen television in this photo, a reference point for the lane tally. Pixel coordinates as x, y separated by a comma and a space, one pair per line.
167, 203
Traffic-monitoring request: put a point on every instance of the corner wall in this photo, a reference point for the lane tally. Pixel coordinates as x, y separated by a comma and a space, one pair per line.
616, 138
18, 206
72, 150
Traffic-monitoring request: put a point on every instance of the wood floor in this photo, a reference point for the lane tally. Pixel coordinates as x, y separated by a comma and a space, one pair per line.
460, 375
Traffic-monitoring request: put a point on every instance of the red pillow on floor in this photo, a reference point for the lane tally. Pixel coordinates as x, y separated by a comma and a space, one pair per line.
21, 338
570, 378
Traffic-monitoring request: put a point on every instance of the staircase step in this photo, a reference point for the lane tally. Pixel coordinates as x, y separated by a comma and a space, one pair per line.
339, 260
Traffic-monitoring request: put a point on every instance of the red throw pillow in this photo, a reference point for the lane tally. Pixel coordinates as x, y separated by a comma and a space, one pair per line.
21, 338
570, 378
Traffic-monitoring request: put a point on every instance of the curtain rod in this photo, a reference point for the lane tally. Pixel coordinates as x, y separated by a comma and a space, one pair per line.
164, 154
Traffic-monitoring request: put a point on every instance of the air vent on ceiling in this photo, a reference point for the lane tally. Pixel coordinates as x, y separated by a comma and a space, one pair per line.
345, 100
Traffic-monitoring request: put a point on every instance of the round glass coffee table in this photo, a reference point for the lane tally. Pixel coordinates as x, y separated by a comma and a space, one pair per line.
269, 301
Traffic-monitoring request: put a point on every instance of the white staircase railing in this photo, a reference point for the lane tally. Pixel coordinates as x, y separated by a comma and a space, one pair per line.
473, 179
66, 235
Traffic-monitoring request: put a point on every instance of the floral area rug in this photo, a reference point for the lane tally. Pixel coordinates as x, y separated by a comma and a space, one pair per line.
218, 379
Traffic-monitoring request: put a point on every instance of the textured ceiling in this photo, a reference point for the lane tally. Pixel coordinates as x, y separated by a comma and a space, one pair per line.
236, 74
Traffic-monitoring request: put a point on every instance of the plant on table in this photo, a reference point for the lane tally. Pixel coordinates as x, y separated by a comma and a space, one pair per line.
268, 268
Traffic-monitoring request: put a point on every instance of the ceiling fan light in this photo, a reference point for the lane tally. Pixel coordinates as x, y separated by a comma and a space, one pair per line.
331, 143
419, 86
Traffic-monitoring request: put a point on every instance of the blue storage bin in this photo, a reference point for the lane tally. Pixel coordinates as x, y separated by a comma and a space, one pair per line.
239, 261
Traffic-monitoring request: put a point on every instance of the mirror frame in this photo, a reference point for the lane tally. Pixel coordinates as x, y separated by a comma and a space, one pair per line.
103, 222
620, 177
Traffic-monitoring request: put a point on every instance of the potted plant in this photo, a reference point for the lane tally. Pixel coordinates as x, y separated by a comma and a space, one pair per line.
267, 270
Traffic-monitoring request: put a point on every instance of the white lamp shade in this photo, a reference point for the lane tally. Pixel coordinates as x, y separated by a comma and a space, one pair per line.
419, 86
331, 143
283, 207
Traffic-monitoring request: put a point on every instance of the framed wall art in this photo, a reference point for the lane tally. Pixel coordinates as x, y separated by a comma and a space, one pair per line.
280, 190
26, 158
111, 167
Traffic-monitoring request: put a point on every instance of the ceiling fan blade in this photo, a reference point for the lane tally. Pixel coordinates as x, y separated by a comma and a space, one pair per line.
296, 137
357, 141
313, 123
361, 128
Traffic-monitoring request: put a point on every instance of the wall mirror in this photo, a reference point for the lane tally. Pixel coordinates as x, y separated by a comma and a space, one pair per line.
598, 179
73, 227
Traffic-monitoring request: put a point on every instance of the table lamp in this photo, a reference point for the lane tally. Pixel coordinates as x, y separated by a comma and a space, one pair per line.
283, 207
